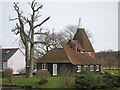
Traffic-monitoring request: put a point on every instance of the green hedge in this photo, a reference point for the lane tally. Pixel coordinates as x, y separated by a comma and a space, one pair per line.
86, 79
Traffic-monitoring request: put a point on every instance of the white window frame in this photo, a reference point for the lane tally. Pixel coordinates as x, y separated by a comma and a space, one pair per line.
44, 66
78, 68
97, 67
91, 67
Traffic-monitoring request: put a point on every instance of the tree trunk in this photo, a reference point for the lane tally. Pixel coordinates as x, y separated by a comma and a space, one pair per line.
31, 60
27, 58
32, 48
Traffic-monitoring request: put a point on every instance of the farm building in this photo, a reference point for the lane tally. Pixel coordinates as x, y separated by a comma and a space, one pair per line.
75, 55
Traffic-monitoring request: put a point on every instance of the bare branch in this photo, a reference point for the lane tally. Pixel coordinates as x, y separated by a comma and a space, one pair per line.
39, 8
38, 25
12, 19
26, 19
36, 42
41, 33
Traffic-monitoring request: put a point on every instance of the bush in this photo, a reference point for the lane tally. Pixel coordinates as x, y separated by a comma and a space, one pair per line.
66, 77
99, 80
8, 73
111, 80
85, 79
43, 75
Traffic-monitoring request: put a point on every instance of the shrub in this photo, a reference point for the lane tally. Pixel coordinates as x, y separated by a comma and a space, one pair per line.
66, 77
8, 73
43, 75
111, 80
85, 79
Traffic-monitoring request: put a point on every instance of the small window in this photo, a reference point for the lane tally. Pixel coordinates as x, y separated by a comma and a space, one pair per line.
97, 67
81, 51
44, 67
85, 66
7, 51
78, 68
91, 67
89, 53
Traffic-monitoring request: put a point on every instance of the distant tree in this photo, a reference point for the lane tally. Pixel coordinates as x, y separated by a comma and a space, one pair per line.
108, 58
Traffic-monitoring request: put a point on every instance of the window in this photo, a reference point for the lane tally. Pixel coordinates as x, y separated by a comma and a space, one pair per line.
89, 53
85, 66
78, 68
81, 51
8, 51
97, 67
91, 67
44, 67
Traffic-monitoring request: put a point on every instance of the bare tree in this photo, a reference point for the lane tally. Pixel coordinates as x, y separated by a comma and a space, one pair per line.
69, 32
66, 77
50, 41
28, 35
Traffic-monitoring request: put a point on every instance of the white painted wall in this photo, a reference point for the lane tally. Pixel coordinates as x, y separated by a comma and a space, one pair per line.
4, 65
17, 62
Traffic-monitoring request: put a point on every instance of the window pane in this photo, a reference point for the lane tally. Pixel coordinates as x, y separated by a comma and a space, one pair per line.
91, 68
78, 68
97, 67
44, 66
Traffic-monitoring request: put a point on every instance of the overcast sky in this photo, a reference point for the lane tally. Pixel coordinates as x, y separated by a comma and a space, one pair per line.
100, 18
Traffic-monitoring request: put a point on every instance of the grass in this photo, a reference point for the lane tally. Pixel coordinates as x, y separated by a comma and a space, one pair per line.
52, 82
112, 71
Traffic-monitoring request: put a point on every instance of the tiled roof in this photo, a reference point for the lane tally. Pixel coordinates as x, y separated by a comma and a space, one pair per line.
76, 42
57, 55
67, 55
82, 37
77, 58
7, 53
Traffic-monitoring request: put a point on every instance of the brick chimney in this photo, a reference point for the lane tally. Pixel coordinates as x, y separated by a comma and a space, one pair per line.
74, 47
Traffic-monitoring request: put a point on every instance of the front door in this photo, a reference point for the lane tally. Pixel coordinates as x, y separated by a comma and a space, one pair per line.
54, 69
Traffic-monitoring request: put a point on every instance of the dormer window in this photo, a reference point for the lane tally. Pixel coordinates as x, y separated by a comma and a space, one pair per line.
89, 53
7, 51
81, 51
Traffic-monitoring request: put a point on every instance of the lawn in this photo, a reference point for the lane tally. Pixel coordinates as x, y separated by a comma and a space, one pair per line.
112, 71
52, 82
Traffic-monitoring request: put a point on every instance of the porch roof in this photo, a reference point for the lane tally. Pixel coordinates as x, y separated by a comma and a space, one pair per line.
57, 55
